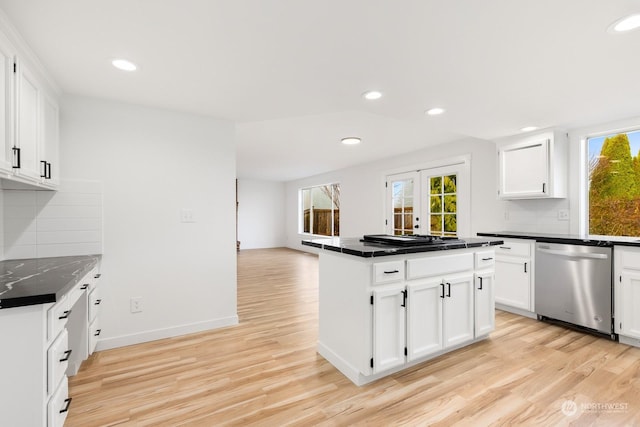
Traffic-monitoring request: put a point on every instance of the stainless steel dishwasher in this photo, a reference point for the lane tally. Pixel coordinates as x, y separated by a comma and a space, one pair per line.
573, 284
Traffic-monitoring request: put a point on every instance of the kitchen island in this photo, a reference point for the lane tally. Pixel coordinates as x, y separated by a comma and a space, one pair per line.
386, 307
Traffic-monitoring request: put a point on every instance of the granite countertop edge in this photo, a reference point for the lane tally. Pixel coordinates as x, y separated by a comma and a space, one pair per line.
563, 239
353, 246
53, 293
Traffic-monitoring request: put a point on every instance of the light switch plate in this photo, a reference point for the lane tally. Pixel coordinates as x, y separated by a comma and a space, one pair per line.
187, 215
563, 215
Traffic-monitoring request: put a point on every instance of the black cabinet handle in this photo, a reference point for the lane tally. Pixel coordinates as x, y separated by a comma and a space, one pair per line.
449, 289
98, 301
391, 272
44, 169
97, 276
544, 187
480, 288
48, 171
97, 332
65, 315
487, 259
67, 403
525, 267
85, 286
404, 299
67, 354
442, 294
505, 247
16, 157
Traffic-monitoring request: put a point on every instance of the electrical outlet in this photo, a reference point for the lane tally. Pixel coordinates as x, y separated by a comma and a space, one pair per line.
563, 215
187, 215
136, 304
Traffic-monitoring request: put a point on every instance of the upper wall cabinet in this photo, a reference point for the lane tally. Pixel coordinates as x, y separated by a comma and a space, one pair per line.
533, 167
29, 118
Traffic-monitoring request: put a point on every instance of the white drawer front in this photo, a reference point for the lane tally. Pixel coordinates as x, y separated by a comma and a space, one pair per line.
437, 266
484, 259
91, 279
57, 317
94, 303
514, 248
57, 360
58, 406
388, 272
629, 258
94, 334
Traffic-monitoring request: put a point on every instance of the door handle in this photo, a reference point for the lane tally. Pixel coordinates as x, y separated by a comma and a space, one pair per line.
572, 254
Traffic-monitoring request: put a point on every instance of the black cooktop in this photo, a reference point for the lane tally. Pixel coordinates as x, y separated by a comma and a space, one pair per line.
409, 239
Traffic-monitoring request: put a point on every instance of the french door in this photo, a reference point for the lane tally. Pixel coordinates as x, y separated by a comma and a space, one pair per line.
432, 201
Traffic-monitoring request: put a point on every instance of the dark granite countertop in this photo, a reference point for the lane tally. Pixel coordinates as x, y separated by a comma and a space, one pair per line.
571, 239
41, 280
354, 246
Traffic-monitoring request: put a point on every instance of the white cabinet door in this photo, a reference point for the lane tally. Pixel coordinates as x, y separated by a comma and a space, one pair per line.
627, 291
484, 304
513, 282
424, 318
388, 328
28, 124
6, 106
458, 315
524, 169
49, 148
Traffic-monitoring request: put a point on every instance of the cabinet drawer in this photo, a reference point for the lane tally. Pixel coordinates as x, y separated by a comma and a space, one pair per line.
513, 248
484, 259
94, 304
629, 258
57, 360
57, 317
91, 279
58, 406
388, 272
94, 333
439, 265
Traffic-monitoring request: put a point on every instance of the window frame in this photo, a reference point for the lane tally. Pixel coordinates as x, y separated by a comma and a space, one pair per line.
301, 210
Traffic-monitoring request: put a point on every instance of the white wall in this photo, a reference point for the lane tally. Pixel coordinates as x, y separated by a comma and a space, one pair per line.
152, 164
53, 223
261, 213
362, 190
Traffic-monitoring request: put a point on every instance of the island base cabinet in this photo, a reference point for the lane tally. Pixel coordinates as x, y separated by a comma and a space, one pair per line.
458, 310
424, 319
389, 329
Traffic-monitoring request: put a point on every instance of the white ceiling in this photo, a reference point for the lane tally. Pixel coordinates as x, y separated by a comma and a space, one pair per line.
291, 72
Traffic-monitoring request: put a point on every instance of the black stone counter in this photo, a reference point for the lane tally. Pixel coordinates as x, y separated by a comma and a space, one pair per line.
570, 239
354, 246
41, 280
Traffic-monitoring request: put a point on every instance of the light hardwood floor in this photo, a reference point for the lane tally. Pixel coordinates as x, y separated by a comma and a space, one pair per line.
266, 371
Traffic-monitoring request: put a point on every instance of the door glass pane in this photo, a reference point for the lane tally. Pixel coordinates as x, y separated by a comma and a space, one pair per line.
450, 185
436, 204
436, 224
402, 196
450, 203
306, 209
443, 201
436, 185
450, 224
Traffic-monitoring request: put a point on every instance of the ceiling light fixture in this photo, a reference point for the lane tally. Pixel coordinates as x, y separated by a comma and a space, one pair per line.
372, 95
529, 128
124, 65
435, 111
351, 140
625, 24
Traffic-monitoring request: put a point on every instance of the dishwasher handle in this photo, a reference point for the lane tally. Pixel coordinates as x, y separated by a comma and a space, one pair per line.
572, 254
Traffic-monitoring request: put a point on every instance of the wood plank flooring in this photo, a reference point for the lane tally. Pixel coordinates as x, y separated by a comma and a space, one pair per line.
266, 372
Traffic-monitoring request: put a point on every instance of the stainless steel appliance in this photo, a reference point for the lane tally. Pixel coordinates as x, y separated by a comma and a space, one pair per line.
573, 284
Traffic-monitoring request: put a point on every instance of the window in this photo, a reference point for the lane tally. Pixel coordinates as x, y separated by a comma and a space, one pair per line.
439, 195
614, 184
320, 210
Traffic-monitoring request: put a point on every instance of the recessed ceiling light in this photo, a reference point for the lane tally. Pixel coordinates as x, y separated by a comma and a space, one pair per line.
627, 23
529, 128
124, 65
351, 140
435, 111
372, 94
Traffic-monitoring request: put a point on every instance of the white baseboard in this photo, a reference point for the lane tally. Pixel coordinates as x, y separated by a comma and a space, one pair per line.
157, 334
519, 311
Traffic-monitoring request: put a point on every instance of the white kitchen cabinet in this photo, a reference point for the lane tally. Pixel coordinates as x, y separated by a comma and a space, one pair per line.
28, 97
533, 167
374, 321
485, 321
7, 54
39, 344
514, 276
49, 144
626, 292
389, 328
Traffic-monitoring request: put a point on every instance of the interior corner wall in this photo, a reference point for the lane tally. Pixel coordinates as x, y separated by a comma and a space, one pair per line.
362, 190
153, 165
261, 214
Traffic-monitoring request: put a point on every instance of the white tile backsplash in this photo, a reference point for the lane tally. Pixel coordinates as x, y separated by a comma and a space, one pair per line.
53, 223
536, 216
